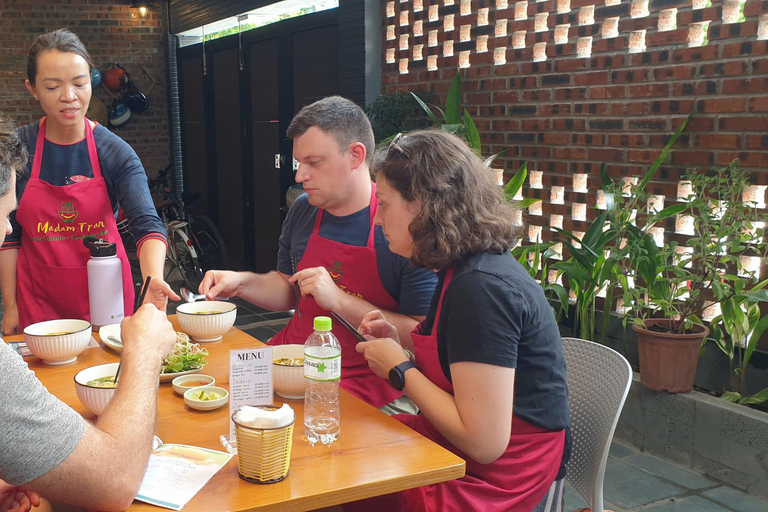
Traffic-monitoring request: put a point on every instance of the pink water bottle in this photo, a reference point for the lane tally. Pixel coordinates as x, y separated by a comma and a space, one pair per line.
105, 283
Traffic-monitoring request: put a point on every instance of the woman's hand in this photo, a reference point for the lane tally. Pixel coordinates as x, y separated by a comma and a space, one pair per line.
375, 325
12, 499
10, 320
382, 355
158, 293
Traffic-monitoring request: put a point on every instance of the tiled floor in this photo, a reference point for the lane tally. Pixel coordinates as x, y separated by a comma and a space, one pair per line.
635, 482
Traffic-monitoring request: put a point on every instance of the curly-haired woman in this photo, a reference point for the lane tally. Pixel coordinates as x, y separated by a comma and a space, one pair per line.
488, 371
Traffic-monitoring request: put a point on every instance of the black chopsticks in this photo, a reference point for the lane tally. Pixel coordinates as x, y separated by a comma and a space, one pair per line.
142, 294
348, 326
296, 289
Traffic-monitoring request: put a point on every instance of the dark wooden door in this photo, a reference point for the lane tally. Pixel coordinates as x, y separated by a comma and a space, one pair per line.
265, 147
225, 72
192, 89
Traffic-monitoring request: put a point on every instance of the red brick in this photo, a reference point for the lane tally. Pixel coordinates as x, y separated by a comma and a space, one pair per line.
692, 157
758, 104
600, 93
606, 155
718, 141
743, 123
667, 38
715, 106
570, 153
642, 156
746, 159
648, 91
627, 141
757, 142
675, 73
595, 78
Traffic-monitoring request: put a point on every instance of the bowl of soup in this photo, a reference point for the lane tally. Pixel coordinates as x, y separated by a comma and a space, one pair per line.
58, 341
95, 386
184, 382
206, 320
288, 370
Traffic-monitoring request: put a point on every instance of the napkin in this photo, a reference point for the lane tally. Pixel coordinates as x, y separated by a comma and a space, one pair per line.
257, 417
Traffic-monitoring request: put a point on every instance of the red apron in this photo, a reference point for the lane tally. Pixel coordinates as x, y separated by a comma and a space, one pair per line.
517, 481
354, 269
51, 276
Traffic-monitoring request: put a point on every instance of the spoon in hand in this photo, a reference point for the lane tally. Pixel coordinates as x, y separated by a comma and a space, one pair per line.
192, 297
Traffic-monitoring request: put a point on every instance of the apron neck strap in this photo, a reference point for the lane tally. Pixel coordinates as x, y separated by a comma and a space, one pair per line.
446, 282
373, 208
37, 162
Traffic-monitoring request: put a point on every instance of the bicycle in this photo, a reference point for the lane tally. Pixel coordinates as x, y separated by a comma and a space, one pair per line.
195, 244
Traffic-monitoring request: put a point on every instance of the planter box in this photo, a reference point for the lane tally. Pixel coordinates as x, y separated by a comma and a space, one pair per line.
727, 442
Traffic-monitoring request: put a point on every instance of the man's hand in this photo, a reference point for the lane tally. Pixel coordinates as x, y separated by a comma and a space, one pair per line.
12, 499
382, 355
375, 325
158, 293
10, 320
222, 283
318, 283
149, 331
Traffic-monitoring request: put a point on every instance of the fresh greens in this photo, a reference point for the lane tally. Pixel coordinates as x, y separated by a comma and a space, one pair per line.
184, 356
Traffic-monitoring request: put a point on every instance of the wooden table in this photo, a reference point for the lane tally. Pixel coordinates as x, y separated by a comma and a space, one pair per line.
375, 454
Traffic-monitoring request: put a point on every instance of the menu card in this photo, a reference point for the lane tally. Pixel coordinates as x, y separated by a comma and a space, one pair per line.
250, 380
177, 472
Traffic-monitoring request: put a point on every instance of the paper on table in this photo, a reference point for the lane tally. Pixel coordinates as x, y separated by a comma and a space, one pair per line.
177, 472
250, 380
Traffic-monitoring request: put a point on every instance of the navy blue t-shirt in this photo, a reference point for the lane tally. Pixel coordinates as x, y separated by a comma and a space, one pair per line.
121, 167
495, 313
411, 287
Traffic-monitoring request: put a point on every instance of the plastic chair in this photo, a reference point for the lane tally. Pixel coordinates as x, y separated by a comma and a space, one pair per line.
598, 382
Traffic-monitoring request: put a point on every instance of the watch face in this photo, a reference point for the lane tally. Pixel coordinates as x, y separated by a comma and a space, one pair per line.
396, 378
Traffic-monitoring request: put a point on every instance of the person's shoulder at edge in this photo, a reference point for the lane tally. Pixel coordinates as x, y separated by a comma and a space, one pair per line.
301, 210
502, 266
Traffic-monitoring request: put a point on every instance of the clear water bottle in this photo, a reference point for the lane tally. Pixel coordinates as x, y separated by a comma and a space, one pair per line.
322, 372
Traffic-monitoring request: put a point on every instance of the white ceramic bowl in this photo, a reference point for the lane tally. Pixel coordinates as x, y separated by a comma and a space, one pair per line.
44, 342
202, 405
206, 320
181, 384
95, 399
288, 380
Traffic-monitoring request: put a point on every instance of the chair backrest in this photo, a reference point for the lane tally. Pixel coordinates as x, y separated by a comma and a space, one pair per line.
598, 382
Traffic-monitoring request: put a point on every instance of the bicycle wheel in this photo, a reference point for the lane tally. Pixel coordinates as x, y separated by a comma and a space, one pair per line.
186, 262
212, 254
129, 243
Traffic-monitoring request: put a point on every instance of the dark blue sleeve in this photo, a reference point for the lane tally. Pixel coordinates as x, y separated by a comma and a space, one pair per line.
127, 183
294, 236
411, 287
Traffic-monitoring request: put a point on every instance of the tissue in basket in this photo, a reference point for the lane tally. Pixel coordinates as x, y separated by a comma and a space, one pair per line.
264, 440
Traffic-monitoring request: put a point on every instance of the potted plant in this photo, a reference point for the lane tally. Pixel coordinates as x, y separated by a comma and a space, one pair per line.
667, 287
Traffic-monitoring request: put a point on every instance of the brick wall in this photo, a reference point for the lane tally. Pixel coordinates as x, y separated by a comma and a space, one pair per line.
569, 84
112, 32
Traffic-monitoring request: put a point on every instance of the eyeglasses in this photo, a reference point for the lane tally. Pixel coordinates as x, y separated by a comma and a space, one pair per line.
394, 144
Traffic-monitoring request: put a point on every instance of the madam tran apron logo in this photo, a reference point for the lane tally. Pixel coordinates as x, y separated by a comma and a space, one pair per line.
71, 227
68, 212
336, 271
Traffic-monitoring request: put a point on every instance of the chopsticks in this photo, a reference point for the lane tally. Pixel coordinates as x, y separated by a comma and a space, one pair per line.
348, 326
142, 294
136, 305
296, 289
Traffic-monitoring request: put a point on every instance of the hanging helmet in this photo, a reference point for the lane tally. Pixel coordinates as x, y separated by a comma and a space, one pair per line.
112, 78
97, 111
134, 98
95, 78
119, 114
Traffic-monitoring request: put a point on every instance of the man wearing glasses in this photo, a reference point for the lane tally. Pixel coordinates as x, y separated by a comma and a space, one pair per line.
331, 248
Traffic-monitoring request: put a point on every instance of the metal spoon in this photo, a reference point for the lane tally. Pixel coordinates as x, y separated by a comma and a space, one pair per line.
192, 297
115, 340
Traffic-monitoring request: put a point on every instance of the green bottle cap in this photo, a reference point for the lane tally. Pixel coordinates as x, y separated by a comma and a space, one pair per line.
322, 323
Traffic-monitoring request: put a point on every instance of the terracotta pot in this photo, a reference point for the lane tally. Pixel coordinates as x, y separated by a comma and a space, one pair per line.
668, 361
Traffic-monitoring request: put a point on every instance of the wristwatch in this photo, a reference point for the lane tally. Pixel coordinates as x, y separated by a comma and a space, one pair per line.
397, 374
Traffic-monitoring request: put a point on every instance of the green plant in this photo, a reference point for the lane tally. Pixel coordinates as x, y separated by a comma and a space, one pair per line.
397, 112
456, 120
737, 330
534, 257
679, 282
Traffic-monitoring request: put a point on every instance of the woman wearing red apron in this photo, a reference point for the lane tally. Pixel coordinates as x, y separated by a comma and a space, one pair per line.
489, 371
79, 172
